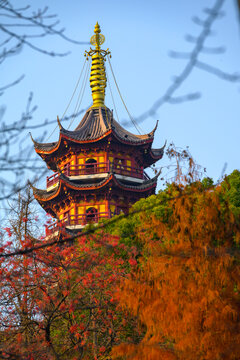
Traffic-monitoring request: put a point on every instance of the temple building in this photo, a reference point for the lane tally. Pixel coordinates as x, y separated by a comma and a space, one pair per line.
98, 167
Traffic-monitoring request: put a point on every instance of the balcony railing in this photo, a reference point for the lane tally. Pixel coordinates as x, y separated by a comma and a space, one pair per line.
76, 220
98, 168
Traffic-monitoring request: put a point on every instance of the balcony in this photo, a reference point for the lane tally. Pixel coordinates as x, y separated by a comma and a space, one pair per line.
76, 222
98, 170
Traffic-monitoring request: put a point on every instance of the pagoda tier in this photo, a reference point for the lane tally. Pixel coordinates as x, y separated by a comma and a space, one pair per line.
75, 204
98, 126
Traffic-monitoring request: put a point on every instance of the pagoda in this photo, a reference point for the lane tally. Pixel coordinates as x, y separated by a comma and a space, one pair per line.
98, 167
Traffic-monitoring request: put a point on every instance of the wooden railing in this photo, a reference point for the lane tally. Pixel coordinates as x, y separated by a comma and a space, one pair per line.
97, 168
73, 220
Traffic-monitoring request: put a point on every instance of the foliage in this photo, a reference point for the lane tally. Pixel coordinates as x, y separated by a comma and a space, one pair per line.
231, 185
207, 182
58, 302
160, 283
186, 290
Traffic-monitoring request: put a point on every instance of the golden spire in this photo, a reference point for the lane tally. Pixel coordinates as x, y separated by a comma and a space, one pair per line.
98, 79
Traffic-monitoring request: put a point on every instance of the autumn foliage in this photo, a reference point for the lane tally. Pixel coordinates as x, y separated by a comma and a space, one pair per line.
57, 302
186, 290
162, 283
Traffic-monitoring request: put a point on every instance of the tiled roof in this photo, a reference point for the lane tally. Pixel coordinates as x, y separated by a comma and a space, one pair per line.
96, 123
44, 195
44, 146
158, 153
145, 185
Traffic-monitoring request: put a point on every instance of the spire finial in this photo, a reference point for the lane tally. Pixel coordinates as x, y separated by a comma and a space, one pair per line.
97, 29
98, 79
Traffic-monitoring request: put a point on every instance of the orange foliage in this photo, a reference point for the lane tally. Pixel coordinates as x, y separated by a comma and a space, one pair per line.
187, 288
144, 352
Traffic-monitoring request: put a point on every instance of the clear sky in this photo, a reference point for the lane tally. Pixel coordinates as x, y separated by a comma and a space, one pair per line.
140, 34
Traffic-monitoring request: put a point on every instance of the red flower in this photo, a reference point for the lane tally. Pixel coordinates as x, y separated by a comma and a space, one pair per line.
132, 262
73, 328
8, 230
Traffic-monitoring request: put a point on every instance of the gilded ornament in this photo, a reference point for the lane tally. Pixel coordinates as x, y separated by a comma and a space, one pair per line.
98, 79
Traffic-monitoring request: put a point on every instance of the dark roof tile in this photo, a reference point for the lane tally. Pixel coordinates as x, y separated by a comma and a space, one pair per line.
95, 124
45, 195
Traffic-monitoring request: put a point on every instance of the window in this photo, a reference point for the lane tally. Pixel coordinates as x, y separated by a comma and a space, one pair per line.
119, 165
91, 215
91, 166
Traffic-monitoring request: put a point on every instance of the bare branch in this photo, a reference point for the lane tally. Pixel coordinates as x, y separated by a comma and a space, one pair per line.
221, 74
179, 55
23, 40
193, 61
11, 84
19, 27
183, 98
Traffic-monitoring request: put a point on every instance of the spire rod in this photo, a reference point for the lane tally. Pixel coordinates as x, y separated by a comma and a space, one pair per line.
98, 79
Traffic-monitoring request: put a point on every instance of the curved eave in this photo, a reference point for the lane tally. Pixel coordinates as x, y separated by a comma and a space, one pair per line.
64, 136
44, 147
158, 153
114, 129
132, 142
68, 137
145, 186
44, 195
154, 130
79, 136
130, 139
154, 155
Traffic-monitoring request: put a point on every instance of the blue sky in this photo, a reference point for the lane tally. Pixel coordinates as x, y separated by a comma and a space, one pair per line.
140, 35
